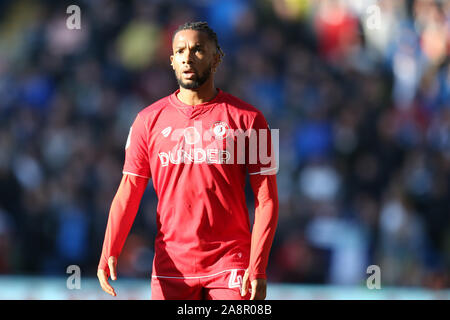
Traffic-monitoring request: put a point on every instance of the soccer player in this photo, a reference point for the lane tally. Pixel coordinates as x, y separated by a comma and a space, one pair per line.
186, 143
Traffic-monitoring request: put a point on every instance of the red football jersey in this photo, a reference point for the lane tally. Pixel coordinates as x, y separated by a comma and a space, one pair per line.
197, 160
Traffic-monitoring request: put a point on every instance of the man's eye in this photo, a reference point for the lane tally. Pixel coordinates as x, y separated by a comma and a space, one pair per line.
180, 51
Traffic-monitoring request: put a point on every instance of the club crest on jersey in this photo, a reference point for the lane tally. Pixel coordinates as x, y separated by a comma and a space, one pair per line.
220, 130
191, 135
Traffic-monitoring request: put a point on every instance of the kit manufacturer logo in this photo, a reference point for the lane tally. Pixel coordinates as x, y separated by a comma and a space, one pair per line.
166, 132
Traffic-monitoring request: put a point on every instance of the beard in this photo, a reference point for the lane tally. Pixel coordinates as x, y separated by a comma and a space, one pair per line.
196, 82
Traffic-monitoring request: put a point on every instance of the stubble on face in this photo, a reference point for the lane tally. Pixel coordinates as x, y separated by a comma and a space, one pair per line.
197, 81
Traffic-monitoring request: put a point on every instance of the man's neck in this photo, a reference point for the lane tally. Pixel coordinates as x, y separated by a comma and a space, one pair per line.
198, 96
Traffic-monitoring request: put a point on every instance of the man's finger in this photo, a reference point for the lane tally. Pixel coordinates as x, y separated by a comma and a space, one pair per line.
254, 289
245, 284
112, 263
104, 283
258, 289
107, 288
103, 279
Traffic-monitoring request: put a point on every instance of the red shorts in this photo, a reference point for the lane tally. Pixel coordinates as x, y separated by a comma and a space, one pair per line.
225, 285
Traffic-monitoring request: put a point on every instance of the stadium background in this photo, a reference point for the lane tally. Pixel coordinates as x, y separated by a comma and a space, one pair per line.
363, 111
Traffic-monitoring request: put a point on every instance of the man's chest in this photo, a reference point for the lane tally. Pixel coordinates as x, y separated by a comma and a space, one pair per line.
211, 139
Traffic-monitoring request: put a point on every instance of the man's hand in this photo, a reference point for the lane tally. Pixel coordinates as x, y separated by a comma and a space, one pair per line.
259, 287
103, 276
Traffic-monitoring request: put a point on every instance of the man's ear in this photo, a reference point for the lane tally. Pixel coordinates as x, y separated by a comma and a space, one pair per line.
217, 61
171, 62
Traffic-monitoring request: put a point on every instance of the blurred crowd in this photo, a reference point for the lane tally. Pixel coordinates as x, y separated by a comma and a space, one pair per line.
360, 91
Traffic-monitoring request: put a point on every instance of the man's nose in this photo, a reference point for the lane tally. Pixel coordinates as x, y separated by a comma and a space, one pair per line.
187, 57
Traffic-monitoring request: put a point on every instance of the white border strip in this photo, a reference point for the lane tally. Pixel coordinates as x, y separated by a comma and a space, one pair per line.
134, 174
263, 171
197, 277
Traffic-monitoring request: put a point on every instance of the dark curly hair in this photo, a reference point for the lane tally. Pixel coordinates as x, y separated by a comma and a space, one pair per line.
204, 27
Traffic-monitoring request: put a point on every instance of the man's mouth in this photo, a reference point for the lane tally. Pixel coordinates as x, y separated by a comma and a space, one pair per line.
188, 73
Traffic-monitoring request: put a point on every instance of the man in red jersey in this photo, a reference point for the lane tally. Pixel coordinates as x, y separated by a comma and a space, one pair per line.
188, 143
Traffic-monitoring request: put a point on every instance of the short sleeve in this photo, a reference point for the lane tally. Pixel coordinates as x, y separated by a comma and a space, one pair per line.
262, 148
136, 150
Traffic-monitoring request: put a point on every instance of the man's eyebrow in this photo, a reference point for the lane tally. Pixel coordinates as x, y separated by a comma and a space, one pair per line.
197, 45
